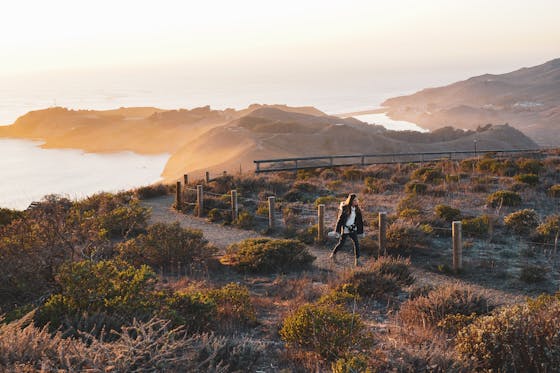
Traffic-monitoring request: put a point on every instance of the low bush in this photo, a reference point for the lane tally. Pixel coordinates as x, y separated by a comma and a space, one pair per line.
415, 187
140, 347
384, 276
532, 274
327, 330
245, 220
447, 213
529, 165
166, 245
110, 287
351, 364
478, 226
503, 198
151, 191
530, 179
194, 310
428, 175
325, 200
522, 222
9, 215
268, 255
554, 191
549, 230
405, 237
411, 202
352, 174
234, 306
520, 338
429, 310
409, 213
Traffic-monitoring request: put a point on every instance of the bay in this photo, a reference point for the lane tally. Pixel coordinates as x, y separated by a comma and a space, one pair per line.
29, 172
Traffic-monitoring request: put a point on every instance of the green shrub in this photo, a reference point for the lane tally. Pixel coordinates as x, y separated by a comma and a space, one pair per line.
214, 215
520, 338
411, 202
116, 214
530, 166
234, 306
245, 220
194, 310
478, 226
415, 187
404, 237
497, 167
325, 200
384, 276
530, 179
269, 255
554, 191
447, 213
308, 173
429, 310
164, 245
351, 364
397, 267
532, 274
549, 230
409, 213
428, 175
9, 215
504, 198
522, 222
352, 174
327, 330
109, 287
151, 191
307, 235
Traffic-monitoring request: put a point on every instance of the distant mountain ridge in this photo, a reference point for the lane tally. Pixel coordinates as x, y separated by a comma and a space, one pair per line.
527, 99
203, 139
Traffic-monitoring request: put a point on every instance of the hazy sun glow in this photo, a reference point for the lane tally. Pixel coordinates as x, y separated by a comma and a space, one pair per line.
63, 34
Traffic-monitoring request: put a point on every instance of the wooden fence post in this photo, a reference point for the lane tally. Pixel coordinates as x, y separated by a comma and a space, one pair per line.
321, 223
200, 200
207, 177
457, 247
178, 195
186, 179
382, 234
234, 205
271, 219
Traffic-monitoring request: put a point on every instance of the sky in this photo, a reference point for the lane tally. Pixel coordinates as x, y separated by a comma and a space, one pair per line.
301, 42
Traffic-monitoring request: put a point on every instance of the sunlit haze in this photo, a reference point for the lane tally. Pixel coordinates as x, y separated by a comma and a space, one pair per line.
351, 46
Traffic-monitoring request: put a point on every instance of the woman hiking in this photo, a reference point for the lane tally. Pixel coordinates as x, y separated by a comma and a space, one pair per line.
349, 224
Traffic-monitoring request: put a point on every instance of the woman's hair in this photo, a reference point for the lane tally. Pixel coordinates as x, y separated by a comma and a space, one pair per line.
351, 197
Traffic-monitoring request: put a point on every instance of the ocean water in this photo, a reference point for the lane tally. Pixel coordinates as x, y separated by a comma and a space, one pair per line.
383, 120
29, 172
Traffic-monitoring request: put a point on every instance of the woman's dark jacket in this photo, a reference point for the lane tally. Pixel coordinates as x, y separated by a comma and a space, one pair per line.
343, 216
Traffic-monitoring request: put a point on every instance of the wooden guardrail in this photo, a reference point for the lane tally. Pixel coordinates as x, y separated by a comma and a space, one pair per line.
327, 161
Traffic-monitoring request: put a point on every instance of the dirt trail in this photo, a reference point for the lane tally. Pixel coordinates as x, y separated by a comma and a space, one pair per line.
223, 236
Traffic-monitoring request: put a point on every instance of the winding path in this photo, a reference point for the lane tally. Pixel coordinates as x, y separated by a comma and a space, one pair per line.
223, 236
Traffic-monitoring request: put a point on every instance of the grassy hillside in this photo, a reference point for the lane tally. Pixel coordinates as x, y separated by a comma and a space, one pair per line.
528, 99
96, 284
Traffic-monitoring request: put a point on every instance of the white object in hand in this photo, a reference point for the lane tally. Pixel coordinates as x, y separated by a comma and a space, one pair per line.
333, 234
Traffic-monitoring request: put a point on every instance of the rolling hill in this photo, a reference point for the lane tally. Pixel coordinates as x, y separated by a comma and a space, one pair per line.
203, 139
527, 99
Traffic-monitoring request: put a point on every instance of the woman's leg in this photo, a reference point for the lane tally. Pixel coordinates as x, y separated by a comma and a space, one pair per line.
354, 237
339, 244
